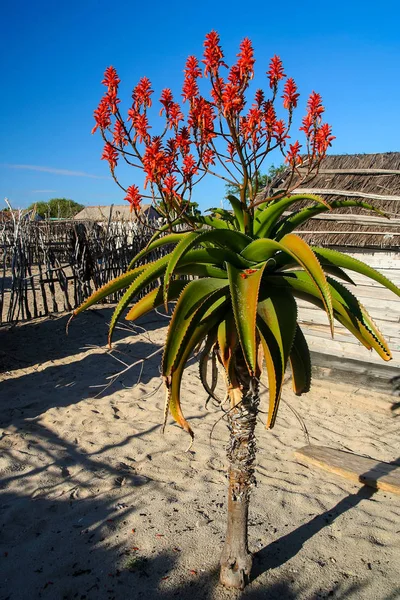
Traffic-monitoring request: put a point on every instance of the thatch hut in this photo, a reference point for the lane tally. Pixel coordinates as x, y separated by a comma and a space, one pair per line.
373, 178
114, 212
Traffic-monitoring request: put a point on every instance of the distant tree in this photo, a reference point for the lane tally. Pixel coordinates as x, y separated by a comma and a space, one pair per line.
42, 208
258, 183
57, 208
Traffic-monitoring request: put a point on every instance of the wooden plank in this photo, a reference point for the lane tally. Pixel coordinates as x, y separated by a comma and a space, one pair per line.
373, 304
370, 291
360, 469
354, 219
349, 193
344, 232
315, 315
359, 279
332, 348
317, 322
355, 171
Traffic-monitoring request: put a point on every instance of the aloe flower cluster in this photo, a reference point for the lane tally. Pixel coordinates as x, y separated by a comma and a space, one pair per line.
226, 134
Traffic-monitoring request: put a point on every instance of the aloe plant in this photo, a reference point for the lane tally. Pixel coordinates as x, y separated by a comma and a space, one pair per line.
242, 307
249, 265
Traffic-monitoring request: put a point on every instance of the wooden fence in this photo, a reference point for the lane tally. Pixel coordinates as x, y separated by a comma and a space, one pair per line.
48, 267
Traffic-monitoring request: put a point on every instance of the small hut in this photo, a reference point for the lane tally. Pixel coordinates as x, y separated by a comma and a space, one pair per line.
114, 212
366, 235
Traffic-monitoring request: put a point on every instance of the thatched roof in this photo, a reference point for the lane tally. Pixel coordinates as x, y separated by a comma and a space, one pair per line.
120, 212
373, 178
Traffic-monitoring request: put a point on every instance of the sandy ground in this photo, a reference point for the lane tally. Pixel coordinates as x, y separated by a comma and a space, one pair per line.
97, 504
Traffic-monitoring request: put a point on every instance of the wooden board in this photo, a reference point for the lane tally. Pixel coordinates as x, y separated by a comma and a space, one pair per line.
375, 474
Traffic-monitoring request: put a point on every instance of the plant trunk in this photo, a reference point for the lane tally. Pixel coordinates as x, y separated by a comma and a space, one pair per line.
236, 560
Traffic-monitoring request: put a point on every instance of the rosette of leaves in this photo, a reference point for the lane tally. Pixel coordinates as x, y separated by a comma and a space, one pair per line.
249, 269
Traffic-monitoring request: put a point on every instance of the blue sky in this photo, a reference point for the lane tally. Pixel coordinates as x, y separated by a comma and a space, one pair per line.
53, 55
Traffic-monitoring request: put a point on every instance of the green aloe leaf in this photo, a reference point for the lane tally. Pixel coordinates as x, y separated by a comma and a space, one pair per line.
238, 211
201, 270
277, 317
337, 272
154, 299
203, 364
165, 228
153, 271
366, 324
172, 238
244, 287
300, 251
346, 309
215, 256
338, 259
195, 294
261, 250
113, 286
308, 260
213, 222
283, 261
227, 341
223, 214
267, 219
273, 361
300, 363
298, 218
231, 240
206, 318
183, 246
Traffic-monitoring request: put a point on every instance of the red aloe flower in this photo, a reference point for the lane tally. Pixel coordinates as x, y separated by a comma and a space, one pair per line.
154, 161
280, 132
166, 100
290, 96
112, 100
111, 79
308, 125
324, 138
142, 94
246, 59
175, 116
201, 119
192, 72
275, 72
141, 126
102, 114
190, 89
217, 89
235, 76
293, 157
189, 167
251, 125
207, 157
170, 183
110, 154
213, 54
133, 197
172, 109
182, 140
314, 105
192, 68
232, 100
269, 118
259, 98
119, 136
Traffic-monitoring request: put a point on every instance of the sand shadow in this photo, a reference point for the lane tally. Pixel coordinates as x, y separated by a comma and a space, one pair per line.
39, 341
62, 546
280, 551
33, 393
